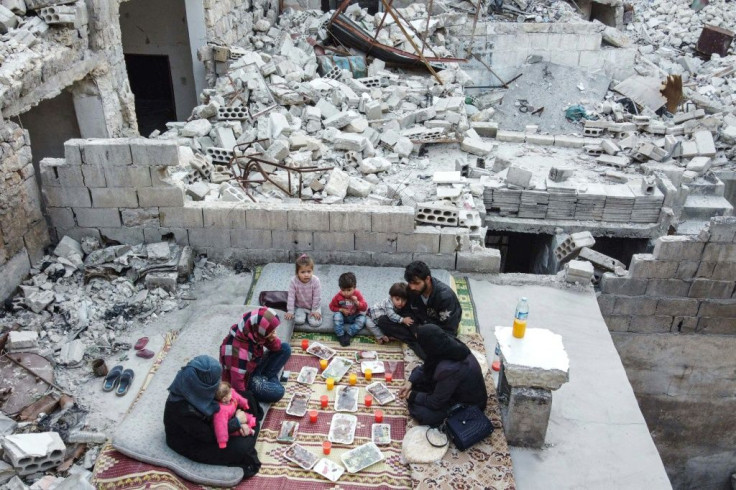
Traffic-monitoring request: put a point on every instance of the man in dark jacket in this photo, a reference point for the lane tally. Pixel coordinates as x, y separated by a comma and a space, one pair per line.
432, 301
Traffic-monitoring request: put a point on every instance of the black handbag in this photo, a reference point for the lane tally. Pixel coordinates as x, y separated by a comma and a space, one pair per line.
467, 425
273, 299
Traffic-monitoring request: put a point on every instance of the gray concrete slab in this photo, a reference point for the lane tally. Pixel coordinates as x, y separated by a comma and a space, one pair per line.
597, 436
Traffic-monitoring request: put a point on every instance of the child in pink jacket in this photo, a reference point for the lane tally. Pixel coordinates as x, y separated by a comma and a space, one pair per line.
230, 401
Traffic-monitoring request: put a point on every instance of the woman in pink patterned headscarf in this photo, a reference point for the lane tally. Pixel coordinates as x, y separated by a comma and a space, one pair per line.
245, 363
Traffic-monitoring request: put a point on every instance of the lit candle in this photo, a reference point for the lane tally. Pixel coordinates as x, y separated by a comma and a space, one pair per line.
368, 374
313, 416
323, 364
305, 344
378, 414
326, 447
330, 383
368, 400
353, 379
389, 377
323, 401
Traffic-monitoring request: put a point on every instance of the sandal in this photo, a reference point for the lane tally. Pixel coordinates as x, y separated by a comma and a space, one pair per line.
141, 343
126, 379
145, 353
112, 378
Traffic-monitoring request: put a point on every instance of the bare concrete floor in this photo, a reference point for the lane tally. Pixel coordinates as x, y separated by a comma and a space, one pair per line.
597, 436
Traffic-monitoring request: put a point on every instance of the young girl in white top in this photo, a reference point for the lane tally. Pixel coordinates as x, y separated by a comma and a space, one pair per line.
305, 294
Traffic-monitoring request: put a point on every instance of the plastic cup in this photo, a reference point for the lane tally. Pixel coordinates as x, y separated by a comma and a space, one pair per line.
305, 344
326, 447
323, 400
323, 364
353, 379
389, 377
378, 415
330, 383
368, 400
368, 374
313, 416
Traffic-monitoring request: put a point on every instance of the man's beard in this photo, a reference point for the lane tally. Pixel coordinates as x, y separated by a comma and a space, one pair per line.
420, 292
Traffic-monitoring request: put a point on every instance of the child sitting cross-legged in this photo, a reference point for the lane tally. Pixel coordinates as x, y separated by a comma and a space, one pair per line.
230, 402
349, 309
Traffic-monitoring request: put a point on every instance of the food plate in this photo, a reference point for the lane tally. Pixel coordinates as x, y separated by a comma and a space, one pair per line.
320, 350
375, 366
361, 457
298, 404
288, 431
380, 393
346, 398
328, 469
307, 375
342, 428
337, 368
297, 454
366, 355
381, 434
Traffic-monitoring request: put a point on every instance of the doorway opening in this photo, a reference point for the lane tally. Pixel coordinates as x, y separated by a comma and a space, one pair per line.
150, 82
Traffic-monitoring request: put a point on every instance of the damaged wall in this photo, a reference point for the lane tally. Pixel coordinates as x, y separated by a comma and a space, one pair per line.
23, 230
673, 320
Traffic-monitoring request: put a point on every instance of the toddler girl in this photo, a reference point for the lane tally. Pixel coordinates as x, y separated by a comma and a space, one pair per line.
305, 294
230, 401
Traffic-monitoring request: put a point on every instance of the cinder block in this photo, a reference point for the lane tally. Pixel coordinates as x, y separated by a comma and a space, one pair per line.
565, 141
170, 197
49, 177
115, 197
224, 215
684, 324
78, 233
611, 284
376, 242
383, 259
687, 269
259, 239
487, 260
724, 271
164, 280
393, 220
421, 241
634, 305
186, 217
706, 288
436, 261
350, 220
334, 241
705, 270
510, 136
719, 252
34, 453
292, 240
717, 325
605, 303
157, 153
650, 324
64, 197
94, 176
73, 151
668, 287
143, 217
618, 323
341, 258
98, 217
717, 308
310, 219
128, 176
540, 139
678, 247
209, 237
250, 256
526, 420
124, 234
105, 152
265, 219
61, 217
677, 307
645, 266
722, 229
454, 240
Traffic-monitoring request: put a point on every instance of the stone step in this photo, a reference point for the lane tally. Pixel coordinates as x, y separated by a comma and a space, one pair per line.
704, 207
707, 186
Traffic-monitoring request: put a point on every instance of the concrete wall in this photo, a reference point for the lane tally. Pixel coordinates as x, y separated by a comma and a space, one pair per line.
673, 319
118, 188
160, 28
23, 230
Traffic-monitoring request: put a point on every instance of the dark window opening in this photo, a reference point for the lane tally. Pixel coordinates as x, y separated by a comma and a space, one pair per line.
603, 13
150, 81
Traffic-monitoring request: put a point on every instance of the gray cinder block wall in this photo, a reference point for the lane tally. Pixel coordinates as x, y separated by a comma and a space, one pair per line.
673, 320
23, 230
118, 188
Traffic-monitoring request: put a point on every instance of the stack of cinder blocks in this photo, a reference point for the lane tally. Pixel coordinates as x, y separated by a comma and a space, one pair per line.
687, 285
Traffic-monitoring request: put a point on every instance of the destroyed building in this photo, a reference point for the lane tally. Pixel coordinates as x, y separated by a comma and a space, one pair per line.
589, 141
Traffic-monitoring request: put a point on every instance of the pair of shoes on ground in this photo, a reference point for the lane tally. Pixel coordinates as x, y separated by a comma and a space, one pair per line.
141, 352
344, 340
119, 380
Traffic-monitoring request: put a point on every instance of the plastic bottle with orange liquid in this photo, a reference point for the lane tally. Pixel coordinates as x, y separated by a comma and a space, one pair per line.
520, 317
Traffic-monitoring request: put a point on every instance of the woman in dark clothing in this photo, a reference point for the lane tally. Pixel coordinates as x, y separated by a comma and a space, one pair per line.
188, 419
450, 375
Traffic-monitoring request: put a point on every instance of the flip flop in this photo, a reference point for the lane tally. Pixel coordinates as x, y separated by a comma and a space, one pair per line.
112, 378
141, 343
126, 379
145, 353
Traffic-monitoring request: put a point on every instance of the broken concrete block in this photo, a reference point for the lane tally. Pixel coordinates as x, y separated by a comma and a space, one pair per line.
437, 214
527, 418
72, 15
38, 301
510, 136
700, 165
578, 271
540, 139
610, 147
277, 124
196, 128
704, 142
350, 142
486, 260
519, 177
339, 120
198, 191
600, 260
68, 247
185, 266
570, 247
34, 453
373, 110
403, 146
373, 165
158, 251
278, 151
72, 352
476, 146
338, 183
359, 187
8, 19
558, 174
164, 280
618, 161
7, 425
22, 341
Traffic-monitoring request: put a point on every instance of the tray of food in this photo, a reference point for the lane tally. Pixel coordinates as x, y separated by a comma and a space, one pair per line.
288, 431
380, 393
328, 469
297, 454
366, 355
307, 375
342, 428
376, 366
337, 368
381, 434
320, 350
298, 404
361, 457
346, 398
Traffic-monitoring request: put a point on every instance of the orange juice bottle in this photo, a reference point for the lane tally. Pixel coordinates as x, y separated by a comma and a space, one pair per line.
520, 316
